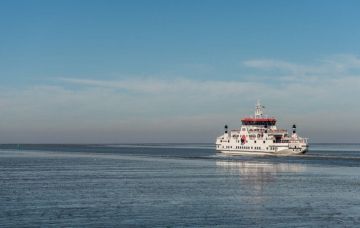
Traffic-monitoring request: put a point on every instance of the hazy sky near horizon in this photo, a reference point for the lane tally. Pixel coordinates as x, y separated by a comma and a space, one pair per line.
176, 71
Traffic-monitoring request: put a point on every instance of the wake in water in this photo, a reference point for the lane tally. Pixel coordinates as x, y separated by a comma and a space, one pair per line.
322, 154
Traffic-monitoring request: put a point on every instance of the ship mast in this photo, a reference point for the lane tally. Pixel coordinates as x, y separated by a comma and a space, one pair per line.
259, 110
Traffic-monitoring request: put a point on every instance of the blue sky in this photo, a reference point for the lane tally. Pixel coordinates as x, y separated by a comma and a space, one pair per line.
176, 71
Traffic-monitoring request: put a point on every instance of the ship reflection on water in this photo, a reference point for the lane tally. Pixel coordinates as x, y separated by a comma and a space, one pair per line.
259, 168
258, 177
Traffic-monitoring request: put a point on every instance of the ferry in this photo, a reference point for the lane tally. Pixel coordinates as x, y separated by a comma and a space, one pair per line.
259, 135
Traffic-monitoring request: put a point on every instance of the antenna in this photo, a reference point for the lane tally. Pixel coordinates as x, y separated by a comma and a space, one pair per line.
259, 110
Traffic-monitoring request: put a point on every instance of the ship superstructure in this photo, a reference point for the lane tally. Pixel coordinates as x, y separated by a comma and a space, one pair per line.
259, 135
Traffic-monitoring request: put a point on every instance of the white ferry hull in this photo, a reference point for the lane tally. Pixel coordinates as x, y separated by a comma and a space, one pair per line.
277, 153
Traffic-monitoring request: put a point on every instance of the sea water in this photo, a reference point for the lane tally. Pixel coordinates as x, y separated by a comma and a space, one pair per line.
177, 185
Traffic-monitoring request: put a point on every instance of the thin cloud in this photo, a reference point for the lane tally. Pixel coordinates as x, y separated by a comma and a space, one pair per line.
338, 66
158, 86
170, 109
272, 64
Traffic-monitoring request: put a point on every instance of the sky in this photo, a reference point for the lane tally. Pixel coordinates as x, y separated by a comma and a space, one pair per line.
176, 71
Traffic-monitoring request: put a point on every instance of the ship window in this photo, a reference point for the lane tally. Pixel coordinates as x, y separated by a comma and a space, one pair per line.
273, 141
251, 147
255, 141
264, 141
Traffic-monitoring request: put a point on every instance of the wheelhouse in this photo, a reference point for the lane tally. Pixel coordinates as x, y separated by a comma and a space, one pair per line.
259, 121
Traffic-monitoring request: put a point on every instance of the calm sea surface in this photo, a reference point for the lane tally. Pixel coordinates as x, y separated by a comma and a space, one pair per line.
177, 185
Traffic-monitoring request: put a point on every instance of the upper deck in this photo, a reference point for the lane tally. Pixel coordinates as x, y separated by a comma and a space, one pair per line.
259, 119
